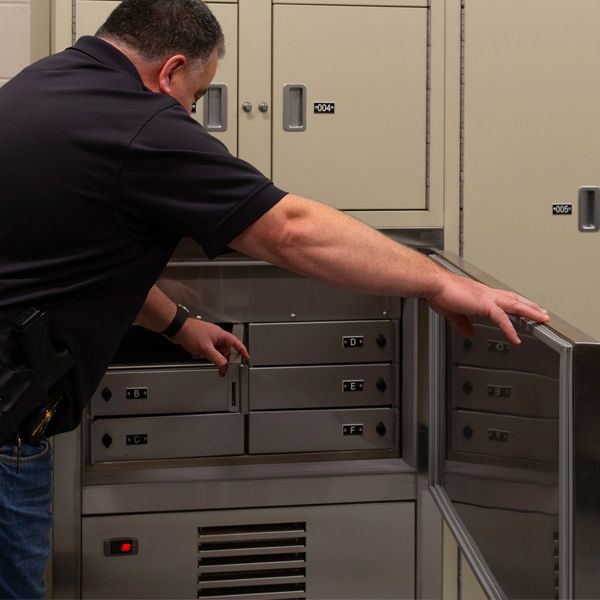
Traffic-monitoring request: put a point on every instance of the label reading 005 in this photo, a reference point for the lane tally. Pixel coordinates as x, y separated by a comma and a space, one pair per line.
562, 209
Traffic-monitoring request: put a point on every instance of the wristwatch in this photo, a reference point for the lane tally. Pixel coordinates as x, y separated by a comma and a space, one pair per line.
176, 324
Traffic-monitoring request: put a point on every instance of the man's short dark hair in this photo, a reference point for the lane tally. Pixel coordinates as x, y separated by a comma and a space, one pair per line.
157, 29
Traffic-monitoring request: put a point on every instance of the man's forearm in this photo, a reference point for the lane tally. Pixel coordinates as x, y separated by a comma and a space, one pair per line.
320, 242
158, 311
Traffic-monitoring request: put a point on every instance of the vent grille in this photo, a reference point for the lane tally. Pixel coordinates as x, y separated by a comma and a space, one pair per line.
252, 562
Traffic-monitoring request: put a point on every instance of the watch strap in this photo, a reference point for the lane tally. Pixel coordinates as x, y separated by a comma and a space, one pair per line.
181, 315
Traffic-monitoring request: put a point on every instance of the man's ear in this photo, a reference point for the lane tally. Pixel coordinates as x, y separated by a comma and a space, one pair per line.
171, 68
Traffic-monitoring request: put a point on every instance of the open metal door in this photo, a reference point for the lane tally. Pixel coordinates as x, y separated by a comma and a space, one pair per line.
512, 456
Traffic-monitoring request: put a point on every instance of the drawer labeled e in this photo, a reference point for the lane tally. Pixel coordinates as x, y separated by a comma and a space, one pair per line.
493, 390
489, 348
322, 342
150, 438
321, 430
328, 386
165, 391
504, 436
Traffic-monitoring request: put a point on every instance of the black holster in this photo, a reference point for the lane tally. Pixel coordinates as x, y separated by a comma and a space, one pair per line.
29, 395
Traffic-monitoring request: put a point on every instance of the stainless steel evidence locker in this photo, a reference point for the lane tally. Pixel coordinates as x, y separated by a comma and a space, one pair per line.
299, 475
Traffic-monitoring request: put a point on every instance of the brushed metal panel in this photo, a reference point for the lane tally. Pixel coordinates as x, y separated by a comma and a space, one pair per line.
502, 534
312, 343
167, 437
524, 394
488, 348
525, 438
168, 391
321, 387
321, 430
354, 551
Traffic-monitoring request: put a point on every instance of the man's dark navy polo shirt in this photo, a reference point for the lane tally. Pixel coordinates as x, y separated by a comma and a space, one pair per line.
100, 179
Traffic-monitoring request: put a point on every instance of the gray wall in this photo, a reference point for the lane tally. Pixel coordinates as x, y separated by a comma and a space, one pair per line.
15, 37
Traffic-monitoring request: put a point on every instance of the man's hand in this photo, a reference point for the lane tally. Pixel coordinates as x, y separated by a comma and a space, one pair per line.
206, 340
460, 297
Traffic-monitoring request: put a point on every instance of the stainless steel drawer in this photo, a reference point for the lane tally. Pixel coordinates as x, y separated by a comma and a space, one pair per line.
322, 387
165, 391
166, 437
525, 394
322, 342
488, 348
504, 436
321, 430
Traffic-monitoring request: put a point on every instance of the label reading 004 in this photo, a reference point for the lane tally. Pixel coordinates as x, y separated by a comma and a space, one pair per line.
324, 108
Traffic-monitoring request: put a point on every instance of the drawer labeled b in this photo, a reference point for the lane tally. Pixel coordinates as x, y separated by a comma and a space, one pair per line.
165, 391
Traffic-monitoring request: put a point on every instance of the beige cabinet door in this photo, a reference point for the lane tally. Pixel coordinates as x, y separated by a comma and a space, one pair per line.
531, 123
221, 122
352, 132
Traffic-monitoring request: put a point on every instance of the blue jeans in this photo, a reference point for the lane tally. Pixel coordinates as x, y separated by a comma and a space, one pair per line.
25, 519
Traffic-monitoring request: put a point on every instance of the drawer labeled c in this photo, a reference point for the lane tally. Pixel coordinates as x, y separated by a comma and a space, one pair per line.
150, 438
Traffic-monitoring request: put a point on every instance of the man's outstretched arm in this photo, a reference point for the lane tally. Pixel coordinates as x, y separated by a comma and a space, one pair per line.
319, 242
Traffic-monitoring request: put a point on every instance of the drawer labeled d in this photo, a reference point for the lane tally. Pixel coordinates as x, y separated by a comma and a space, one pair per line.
322, 342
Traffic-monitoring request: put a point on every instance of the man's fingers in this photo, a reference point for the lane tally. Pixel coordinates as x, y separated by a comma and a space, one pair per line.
518, 305
233, 341
212, 354
501, 319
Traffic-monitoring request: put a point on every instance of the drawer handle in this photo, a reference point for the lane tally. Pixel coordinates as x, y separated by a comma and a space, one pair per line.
381, 429
467, 387
106, 440
468, 432
106, 394
381, 384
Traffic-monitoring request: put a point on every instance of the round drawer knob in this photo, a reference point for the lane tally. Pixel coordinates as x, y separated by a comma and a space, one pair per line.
381, 384
468, 432
263, 107
106, 440
106, 394
467, 344
381, 429
381, 340
467, 387
247, 107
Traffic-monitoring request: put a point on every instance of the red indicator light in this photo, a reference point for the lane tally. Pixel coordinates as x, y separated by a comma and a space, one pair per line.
121, 547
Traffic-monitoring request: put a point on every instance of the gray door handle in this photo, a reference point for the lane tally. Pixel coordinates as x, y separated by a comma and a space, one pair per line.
589, 209
215, 107
294, 107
